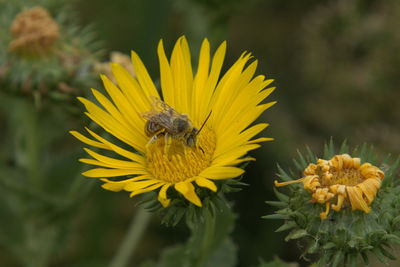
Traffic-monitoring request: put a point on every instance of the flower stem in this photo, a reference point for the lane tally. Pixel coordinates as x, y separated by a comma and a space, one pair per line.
208, 236
135, 232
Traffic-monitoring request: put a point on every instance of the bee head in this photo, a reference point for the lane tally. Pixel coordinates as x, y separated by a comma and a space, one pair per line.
192, 138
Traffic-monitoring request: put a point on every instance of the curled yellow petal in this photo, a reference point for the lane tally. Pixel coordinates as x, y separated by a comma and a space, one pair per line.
187, 190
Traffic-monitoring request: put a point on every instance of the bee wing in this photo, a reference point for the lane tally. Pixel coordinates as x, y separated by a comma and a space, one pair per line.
159, 106
149, 115
164, 120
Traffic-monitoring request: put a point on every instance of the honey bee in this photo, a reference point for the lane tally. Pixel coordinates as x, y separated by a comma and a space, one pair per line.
163, 120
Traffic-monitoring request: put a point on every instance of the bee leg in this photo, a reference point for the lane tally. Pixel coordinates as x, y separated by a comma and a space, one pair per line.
168, 142
150, 142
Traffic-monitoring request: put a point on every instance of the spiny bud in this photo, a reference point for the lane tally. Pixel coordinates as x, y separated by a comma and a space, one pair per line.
115, 57
34, 32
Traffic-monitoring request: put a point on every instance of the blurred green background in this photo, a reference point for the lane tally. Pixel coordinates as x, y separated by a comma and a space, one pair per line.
336, 66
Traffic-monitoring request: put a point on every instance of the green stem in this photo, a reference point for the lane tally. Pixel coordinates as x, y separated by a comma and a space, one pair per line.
208, 235
135, 232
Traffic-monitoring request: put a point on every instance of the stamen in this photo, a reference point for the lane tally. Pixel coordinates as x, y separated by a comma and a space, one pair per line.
324, 214
277, 184
180, 162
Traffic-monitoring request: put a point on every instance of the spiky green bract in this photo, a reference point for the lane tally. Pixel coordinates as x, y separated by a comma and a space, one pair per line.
60, 74
345, 236
180, 207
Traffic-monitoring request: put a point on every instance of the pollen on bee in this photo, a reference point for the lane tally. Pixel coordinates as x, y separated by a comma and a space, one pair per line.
180, 162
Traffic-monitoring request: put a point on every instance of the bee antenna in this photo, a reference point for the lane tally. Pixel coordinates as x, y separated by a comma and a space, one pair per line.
204, 123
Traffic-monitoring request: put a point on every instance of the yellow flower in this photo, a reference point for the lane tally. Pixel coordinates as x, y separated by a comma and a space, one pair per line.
343, 180
234, 102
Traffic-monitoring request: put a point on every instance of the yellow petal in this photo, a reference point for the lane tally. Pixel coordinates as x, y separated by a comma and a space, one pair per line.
356, 199
182, 75
162, 195
88, 141
227, 89
206, 94
187, 190
130, 115
111, 125
143, 76
243, 137
134, 186
203, 182
95, 162
109, 107
167, 82
147, 189
102, 172
220, 172
234, 149
131, 89
125, 153
117, 186
116, 163
201, 78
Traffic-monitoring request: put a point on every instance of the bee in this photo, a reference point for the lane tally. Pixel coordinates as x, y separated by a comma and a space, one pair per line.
163, 120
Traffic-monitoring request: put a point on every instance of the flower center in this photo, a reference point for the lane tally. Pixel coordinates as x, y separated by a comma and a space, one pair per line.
180, 162
348, 177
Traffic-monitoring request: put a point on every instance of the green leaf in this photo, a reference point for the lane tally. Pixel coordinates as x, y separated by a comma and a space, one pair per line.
329, 245
380, 256
286, 226
280, 196
296, 234
329, 150
282, 174
353, 260
337, 258
387, 254
311, 156
313, 248
364, 256
276, 217
344, 149
278, 204
393, 238
303, 162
